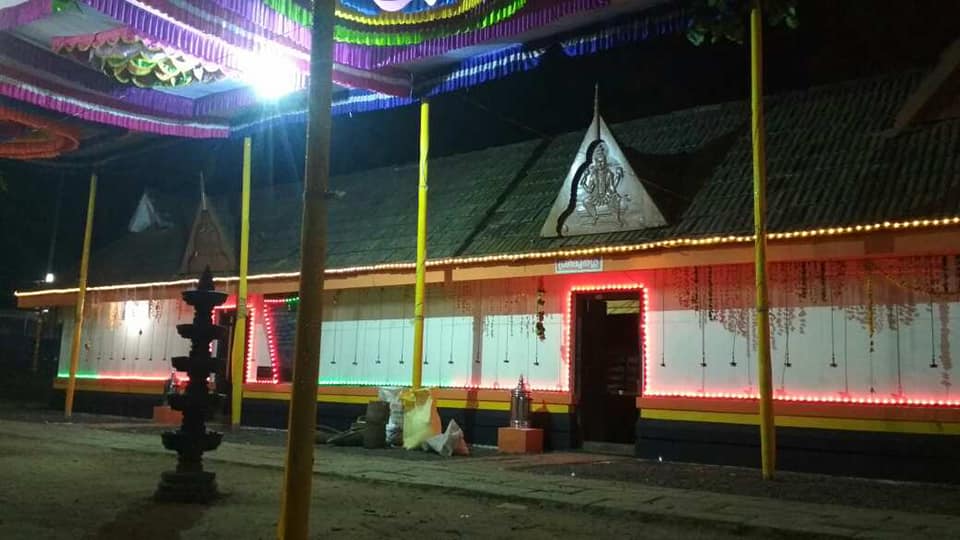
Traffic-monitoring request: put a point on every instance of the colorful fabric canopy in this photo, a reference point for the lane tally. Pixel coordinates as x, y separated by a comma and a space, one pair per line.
184, 67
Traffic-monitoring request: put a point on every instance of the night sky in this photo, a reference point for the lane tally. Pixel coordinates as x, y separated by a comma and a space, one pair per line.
836, 40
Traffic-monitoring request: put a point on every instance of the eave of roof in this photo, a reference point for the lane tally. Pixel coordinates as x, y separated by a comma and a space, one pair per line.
528, 257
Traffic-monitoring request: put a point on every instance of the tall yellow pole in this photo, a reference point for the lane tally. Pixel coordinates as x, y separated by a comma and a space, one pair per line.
421, 247
240, 327
81, 297
294, 522
768, 441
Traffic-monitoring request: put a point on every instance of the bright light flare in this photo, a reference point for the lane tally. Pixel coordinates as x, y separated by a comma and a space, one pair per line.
271, 75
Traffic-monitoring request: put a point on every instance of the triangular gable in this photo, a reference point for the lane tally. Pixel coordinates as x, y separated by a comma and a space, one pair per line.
601, 193
207, 245
146, 216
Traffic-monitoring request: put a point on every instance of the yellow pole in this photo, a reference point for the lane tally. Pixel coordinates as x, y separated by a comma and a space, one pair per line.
421, 247
768, 441
81, 297
294, 522
240, 327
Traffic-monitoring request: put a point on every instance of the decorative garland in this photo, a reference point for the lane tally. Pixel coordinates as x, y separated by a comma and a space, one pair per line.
42, 62
360, 11
444, 9
481, 69
469, 22
215, 34
34, 137
82, 105
133, 59
628, 32
246, 23
541, 330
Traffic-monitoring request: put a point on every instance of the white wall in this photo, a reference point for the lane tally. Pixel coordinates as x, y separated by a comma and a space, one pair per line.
474, 336
126, 339
824, 327
481, 334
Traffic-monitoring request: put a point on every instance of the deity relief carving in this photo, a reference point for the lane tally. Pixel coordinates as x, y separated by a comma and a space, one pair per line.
601, 192
598, 191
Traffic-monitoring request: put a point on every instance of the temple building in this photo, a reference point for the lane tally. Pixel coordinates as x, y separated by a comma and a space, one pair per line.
612, 268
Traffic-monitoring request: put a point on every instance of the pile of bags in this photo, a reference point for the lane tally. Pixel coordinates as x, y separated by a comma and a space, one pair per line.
402, 417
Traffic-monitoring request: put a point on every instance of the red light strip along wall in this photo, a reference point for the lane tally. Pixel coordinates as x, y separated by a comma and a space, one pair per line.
566, 342
271, 344
251, 359
924, 402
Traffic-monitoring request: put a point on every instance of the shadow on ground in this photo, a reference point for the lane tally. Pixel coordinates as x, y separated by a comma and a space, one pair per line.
148, 520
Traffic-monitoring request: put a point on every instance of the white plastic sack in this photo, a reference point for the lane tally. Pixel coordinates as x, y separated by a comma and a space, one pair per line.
449, 442
395, 422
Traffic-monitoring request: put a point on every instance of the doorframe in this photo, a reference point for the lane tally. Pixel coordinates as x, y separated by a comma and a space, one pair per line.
570, 331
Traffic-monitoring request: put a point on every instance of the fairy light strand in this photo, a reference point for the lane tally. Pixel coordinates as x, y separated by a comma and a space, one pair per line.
540, 255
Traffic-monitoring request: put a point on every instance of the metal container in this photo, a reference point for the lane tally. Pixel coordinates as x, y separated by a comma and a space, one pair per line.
520, 405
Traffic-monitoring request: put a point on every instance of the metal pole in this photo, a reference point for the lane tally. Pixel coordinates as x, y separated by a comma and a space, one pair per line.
294, 522
240, 326
81, 297
421, 247
768, 441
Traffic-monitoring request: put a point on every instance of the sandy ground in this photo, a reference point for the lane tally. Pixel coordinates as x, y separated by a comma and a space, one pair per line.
58, 491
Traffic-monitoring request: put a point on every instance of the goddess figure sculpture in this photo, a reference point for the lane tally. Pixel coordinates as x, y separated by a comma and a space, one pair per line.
600, 187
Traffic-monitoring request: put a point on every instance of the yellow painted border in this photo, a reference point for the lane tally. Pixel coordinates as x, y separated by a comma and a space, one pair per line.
442, 403
154, 388
844, 424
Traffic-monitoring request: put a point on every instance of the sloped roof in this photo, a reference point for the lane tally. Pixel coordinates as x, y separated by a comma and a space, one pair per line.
831, 161
156, 254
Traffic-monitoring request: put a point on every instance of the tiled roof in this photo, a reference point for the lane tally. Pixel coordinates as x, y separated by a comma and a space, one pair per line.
831, 161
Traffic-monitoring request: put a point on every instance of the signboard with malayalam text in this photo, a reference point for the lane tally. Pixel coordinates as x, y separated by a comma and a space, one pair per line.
578, 266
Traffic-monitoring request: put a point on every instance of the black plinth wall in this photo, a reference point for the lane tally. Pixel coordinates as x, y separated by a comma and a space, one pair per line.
189, 482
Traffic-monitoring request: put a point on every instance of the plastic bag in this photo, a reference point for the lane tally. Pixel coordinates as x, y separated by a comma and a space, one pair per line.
420, 419
395, 422
450, 442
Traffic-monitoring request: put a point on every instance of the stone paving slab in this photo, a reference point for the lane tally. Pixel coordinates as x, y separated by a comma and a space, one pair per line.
491, 477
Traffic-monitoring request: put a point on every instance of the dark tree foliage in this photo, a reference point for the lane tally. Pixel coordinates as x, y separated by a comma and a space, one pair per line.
718, 20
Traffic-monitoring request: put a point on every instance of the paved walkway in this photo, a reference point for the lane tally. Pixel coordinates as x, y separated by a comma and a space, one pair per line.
495, 477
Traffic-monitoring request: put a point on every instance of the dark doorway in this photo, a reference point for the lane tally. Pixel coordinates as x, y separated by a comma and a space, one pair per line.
608, 346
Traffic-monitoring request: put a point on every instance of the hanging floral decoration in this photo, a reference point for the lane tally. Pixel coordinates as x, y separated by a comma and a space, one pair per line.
541, 330
155, 310
131, 59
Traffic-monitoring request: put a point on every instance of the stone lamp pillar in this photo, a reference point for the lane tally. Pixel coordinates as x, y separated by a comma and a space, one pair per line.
189, 482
